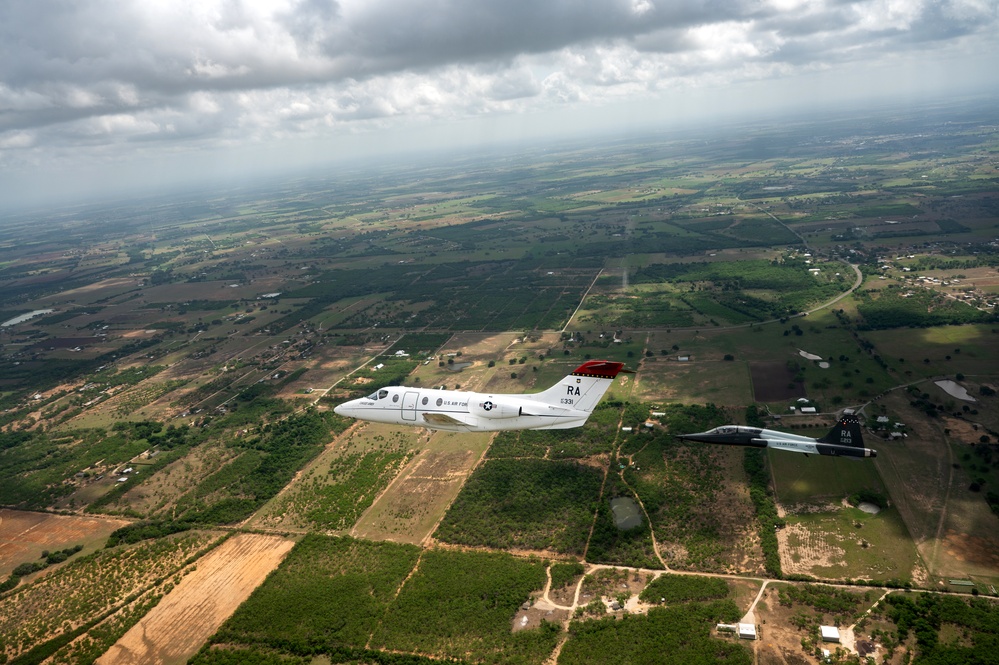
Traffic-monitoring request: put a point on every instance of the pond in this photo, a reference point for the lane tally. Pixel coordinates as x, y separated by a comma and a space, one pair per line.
627, 514
25, 317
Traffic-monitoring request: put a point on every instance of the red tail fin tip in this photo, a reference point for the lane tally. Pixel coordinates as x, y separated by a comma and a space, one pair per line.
603, 369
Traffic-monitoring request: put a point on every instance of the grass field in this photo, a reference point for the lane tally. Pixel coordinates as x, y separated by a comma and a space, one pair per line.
696, 381
826, 537
410, 508
818, 480
847, 543
953, 527
950, 350
331, 493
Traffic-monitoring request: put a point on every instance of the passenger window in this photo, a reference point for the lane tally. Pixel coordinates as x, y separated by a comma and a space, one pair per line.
425, 400
395, 398
439, 401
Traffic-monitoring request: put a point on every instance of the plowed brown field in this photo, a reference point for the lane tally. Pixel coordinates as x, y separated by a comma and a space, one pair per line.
176, 628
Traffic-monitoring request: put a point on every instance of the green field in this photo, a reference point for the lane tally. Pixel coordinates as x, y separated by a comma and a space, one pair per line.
804, 479
328, 592
525, 504
203, 343
331, 494
459, 605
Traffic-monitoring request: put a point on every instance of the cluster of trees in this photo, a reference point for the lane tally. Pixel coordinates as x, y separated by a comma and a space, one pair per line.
227, 655
525, 503
328, 593
594, 438
822, 598
516, 444
609, 544
678, 481
460, 605
755, 465
29, 567
926, 613
565, 572
266, 463
672, 589
490, 295
679, 635
146, 530
726, 298
893, 308
731, 275
35, 464
651, 310
868, 496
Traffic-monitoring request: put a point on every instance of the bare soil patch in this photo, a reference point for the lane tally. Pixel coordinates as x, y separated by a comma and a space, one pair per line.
25, 535
532, 618
973, 549
176, 628
801, 550
774, 382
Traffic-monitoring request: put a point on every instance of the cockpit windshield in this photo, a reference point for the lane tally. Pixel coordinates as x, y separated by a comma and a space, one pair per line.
381, 394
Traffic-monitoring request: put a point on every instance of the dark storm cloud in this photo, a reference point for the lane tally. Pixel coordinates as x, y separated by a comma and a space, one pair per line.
175, 50
123, 72
393, 33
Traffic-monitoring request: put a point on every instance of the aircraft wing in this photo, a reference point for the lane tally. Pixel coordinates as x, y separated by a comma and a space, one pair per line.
453, 419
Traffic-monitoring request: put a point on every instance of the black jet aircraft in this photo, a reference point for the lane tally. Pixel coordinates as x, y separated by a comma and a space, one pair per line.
845, 439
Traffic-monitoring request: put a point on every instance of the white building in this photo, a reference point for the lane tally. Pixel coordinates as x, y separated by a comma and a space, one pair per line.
829, 633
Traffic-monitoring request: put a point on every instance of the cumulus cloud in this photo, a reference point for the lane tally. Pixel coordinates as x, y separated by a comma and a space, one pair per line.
119, 71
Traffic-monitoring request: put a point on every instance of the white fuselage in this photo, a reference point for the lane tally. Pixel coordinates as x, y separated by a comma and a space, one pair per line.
461, 411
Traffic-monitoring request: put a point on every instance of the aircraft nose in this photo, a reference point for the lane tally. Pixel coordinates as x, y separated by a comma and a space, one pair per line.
342, 409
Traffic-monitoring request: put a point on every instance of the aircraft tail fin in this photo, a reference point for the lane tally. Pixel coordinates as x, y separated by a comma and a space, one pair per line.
583, 388
847, 432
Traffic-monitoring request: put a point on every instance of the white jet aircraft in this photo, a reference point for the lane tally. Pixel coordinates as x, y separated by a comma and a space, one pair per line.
567, 404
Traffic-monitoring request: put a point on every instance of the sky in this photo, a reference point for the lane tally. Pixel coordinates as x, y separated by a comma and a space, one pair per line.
104, 97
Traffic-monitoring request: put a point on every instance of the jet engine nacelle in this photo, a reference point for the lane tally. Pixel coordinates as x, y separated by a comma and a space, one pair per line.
487, 407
